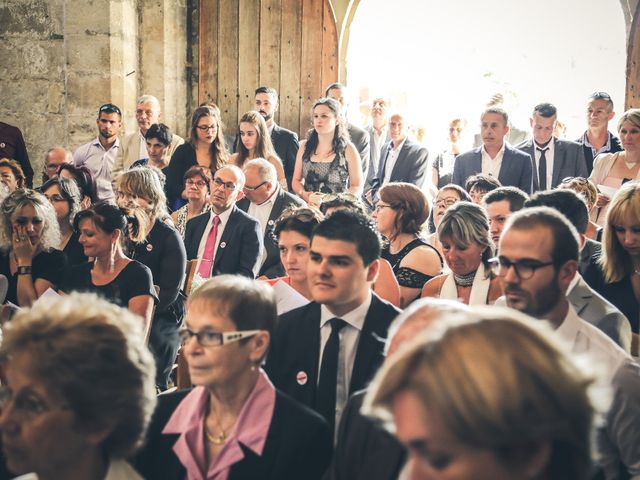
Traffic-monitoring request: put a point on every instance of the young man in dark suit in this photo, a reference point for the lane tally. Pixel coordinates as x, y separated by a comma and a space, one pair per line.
285, 142
330, 348
225, 240
265, 200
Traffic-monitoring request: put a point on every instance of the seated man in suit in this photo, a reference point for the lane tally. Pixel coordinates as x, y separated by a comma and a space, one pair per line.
265, 200
330, 348
359, 137
285, 142
495, 157
134, 145
226, 239
553, 159
401, 159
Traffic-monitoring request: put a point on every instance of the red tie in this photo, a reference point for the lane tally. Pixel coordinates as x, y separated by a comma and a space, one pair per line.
206, 264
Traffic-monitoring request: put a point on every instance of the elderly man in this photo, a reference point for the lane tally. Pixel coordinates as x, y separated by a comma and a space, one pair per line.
134, 145
265, 200
55, 157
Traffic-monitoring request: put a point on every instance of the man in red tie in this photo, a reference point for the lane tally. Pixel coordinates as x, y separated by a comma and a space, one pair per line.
225, 240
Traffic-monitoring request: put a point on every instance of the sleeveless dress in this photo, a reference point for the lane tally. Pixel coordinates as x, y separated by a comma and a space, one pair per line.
326, 177
408, 277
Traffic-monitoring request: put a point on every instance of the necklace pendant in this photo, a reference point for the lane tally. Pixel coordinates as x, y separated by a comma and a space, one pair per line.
219, 439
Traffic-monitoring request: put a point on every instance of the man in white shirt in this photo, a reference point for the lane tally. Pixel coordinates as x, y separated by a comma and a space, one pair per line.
100, 155
537, 263
265, 200
378, 135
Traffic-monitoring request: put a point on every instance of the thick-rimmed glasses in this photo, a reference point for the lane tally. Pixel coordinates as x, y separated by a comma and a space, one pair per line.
380, 206
253, 189
208, 338
227, 185
524, 268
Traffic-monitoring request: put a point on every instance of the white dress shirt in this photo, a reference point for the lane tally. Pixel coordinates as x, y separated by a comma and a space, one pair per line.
549, 155
143, 147
491, 166
378, 143
224, 219
391, 160
100, 162
262, 212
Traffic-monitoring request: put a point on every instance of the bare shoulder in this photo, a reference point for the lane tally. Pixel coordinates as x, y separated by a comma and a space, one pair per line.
432, 287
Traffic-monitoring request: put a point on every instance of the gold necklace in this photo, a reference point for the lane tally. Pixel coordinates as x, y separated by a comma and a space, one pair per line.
216, 440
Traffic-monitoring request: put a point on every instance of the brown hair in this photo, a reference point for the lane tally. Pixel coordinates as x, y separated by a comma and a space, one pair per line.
410, 204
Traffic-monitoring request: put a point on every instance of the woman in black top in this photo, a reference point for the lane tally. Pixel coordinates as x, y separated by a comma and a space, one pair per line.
29, 236
401, 215
162, 250
112, 275
205, 148
65, 197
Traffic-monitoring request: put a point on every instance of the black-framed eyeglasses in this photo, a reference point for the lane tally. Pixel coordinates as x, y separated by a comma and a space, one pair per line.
205, 128
109, 108
380, 206
253, 189
446, 202
227, 185
209, 338
26, 405
524, 268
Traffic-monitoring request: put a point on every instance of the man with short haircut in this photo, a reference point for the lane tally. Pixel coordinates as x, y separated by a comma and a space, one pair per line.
537, 263
158, 142
325, 351
12, 146
401, 159
597, 139
100, 155
379, 135
55, 157
495, 157
500, 204
134, 145
285, 142
265, 200
359, 137
590, 305
553, 159
225, 240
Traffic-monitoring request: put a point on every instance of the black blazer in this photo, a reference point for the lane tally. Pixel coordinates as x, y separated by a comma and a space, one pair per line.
411, 165
295, 347
239, 248
360, 138
588, 153
298, 445
272, 267
365, 450
285, 143
568, 161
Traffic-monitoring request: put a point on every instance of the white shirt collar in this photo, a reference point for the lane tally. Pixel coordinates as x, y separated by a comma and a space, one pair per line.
498, 155
224, 216
355, 317
570, 326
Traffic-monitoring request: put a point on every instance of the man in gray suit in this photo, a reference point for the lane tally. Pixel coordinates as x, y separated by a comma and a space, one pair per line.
359, 137
378, 136
553, 159
495, 157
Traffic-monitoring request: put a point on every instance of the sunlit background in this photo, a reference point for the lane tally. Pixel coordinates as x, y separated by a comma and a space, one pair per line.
441, 59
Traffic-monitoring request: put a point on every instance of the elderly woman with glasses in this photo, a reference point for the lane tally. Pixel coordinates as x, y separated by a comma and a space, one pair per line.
197, 188
234, 424
79, 390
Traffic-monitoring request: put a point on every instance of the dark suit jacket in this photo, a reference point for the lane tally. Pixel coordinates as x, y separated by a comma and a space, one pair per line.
614, 143
365, 450
374, 157
298, 445
568, 161
285, 142
295, 347
272, 267
593, 308
411, 165
240, 245
360, 138
12, 146
516, 169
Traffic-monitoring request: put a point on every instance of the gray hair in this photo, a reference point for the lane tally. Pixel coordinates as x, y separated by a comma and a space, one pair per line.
149, 99
238, 173
266, 171
23, 198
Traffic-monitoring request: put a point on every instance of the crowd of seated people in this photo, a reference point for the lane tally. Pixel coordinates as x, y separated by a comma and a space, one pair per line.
342, 307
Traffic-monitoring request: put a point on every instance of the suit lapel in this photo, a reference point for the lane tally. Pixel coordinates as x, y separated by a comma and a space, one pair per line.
530, 149
582, 297
395, 173
476, 165
559, 159
383, 162
505, 168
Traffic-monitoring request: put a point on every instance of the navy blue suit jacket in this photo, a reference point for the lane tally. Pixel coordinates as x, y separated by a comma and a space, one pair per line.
239, 248
411, 164
516, 169
285, 143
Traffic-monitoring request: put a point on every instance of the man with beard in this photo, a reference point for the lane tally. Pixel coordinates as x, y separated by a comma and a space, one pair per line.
537, 263
285, 142
100, 154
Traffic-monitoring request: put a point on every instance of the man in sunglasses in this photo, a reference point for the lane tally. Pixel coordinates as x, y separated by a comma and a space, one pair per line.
264, 199
225, 240
100, 154
537, 263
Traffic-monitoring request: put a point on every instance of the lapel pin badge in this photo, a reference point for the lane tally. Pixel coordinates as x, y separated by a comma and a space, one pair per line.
149, 247
301, 378
270, 222
223, 244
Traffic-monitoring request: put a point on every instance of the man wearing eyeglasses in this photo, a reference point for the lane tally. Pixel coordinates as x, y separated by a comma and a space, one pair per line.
597, 138
55, 157
265, 200
99, 156
225, 240
537, 264
553, 159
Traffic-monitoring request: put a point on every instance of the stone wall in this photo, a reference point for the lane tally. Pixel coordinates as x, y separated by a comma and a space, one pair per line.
62, 59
